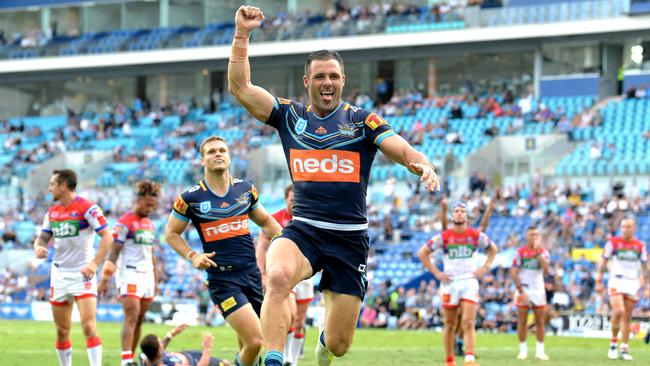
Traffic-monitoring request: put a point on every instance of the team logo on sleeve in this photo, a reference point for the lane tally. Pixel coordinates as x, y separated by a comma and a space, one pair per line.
301, 126
205, 206
374, 121
254, 192
180, 205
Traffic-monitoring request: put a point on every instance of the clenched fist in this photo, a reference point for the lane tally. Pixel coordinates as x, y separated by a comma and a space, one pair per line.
248, 18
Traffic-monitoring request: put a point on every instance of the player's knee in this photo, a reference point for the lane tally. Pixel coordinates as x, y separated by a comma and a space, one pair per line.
338, 344
254, 345
467, 324
89, 328
62, 332
278, 281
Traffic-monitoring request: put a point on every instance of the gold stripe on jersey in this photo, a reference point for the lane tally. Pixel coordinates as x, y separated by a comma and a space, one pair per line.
203, 186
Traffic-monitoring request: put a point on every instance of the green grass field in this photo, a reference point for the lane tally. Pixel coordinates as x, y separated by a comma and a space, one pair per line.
32, 343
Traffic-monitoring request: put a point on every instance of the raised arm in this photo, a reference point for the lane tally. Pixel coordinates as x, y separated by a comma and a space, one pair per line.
444, 218
257, 101
485, 221
400, 151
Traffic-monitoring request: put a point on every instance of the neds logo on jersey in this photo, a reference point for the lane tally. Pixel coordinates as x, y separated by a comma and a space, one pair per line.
325, 166
225, 228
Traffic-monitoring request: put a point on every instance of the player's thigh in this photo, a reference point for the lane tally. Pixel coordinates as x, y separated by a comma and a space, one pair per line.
617, 301
341, 314
451, 315
144, 306
62, 314
540, 313
285, 257
87, 306
629, 305
246, 323
522, 299
468, 308
131, 306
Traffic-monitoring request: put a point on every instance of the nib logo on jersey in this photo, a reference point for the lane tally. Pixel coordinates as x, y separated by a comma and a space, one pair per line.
144, 237
460, 251
225, 228
65, 229
325, 166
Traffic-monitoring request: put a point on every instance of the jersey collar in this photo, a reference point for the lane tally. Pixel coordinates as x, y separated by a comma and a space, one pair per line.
329, 115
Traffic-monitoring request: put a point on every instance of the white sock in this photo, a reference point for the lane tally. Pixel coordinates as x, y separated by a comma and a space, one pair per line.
469, 357
94, 349
540, 347
523, 347
127, 356
287, 347
296, 345
64, 353
624, 347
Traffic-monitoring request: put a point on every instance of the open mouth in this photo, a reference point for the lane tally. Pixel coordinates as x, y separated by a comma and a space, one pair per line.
327, 96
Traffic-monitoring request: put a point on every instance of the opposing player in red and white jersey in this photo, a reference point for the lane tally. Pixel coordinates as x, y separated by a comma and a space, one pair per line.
132, 254
460, 278
627, 257
302, 294
73, 223
530, 264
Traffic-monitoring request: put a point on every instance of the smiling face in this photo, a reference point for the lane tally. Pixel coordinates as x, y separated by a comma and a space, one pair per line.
324, 83
215, 156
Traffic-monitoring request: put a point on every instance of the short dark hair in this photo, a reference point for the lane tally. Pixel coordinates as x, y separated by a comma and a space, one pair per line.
211, 139
66, 176
288, 189
147, 188
531, 228
322, 55
150, 346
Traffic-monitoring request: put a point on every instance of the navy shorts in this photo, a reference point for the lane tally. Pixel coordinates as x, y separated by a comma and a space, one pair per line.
342, 255
234, 289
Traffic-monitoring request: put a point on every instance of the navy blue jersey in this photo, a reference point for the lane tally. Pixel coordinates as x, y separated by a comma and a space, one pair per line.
222, 222
185, 358
329, 160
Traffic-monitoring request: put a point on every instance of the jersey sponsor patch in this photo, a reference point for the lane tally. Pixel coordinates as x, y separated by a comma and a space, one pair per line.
325, 166
460, 251
446, 298
131, 288
144, 237
228, 303
225, 228
180, 205
374, 121
65, 229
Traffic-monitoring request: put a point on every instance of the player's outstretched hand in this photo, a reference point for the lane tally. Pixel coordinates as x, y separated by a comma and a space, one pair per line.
248, 18
179, 329
427, 176
203, 261
207, 341
40, 252
88, 271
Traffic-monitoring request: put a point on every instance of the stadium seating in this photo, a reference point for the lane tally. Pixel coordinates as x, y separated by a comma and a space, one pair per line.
618, 145
314, 26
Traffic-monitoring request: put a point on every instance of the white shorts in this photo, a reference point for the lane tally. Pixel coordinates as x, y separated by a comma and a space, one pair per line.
459, 290
136, 284
65, 286
628, 287
536, 297
304, 291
